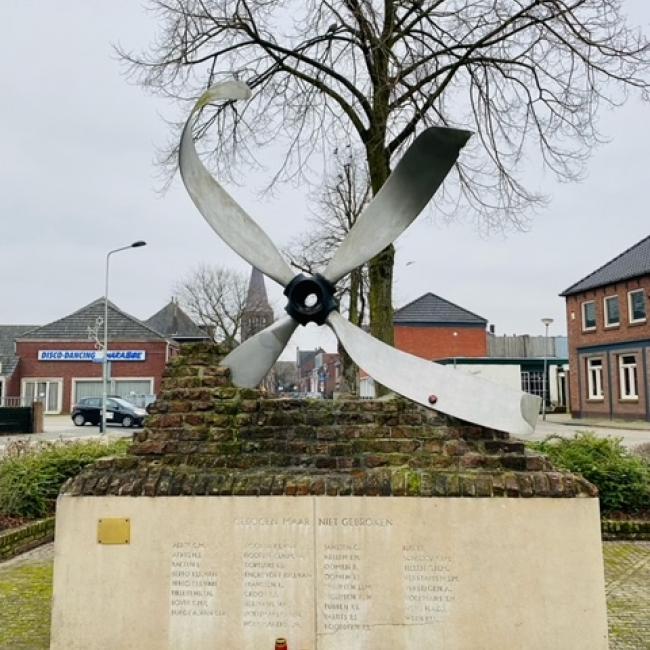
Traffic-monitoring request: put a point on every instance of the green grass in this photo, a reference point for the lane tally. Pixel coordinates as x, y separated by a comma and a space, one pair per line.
25, 597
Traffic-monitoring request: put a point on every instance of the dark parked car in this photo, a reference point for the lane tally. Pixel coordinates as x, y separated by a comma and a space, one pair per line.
118, 411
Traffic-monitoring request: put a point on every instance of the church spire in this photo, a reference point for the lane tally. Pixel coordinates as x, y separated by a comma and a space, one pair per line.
256, 299
257, 313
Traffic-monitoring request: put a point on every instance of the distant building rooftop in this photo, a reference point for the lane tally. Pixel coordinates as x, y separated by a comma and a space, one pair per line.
74, 327
631, 263
8, 336
430, 309
172, 322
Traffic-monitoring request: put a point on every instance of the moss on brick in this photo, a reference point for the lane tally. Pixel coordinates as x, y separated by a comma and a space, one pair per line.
288, 446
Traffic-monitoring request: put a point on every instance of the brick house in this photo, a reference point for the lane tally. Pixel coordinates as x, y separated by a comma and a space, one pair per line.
609, 338
434, 328
326, 375
9, 383
55, 361
306, 366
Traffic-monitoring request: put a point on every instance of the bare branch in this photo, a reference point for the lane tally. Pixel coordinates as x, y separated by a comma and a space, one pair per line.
215, 297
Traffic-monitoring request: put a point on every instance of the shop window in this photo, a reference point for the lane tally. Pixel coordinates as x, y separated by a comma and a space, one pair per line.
595, 378
612, 312
588, 316
46, 391
636, 306
627, 376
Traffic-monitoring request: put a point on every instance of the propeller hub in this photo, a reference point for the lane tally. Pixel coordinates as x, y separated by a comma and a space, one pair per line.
311, 298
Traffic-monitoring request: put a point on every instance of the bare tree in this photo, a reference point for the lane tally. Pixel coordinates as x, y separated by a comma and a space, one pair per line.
215, 297
338, 205
519, 73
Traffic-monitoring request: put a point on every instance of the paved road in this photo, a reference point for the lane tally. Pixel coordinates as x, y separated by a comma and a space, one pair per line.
60, 427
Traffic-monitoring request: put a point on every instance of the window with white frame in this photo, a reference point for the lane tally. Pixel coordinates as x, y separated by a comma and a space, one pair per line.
636, 306
612, 312
47, 391
589, 315
595, 378
627, 376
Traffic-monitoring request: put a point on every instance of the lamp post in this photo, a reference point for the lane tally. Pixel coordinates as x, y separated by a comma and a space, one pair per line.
135, 244
455, 335
547, 322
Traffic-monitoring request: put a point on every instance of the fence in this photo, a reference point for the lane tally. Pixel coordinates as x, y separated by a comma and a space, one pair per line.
15, 420
21, 419
527, 347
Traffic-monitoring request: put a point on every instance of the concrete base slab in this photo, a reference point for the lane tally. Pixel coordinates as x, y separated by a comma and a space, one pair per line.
329, 573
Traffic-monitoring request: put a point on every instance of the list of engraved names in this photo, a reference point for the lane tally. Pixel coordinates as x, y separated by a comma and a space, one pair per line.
429, 584
274, 581
193, 590
277, 575
347, 596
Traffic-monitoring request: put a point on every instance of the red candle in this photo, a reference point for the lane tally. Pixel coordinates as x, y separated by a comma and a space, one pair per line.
281, 644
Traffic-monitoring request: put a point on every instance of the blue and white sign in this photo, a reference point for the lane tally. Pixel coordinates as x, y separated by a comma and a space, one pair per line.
91, 355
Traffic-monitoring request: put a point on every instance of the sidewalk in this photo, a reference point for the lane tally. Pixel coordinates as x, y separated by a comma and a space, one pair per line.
61, 427
631, 433
629, 425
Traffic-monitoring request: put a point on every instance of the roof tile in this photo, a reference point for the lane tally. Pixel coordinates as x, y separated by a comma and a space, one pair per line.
8, 336
121, 326
173, 322
432, 310
631, 263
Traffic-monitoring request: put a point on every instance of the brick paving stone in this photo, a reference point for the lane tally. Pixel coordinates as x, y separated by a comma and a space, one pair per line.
627, 578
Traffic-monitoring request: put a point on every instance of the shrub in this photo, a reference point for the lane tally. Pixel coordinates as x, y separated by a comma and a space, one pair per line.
32, 475
643, 451
622, 478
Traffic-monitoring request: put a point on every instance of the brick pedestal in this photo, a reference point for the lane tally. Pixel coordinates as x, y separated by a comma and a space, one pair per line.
206, 437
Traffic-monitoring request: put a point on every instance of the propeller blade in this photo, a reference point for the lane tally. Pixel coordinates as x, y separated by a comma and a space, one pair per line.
251, 361
436, 386
402, 197
226, 217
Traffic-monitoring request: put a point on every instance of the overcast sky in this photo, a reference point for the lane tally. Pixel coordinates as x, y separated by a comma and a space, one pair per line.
78, 179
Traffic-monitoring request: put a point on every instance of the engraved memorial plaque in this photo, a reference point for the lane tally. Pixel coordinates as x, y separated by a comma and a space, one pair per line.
327, 573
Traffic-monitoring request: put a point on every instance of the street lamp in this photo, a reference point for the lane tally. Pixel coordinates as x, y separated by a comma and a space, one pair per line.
135, 244
547, 322
455, 335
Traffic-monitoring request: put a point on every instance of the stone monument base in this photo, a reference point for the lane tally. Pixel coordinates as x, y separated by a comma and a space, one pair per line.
328, 573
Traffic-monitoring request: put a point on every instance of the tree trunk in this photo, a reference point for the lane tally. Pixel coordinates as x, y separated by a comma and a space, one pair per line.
380, 267
348, 383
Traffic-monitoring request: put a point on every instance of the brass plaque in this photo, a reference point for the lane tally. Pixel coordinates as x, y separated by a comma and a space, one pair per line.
114, 531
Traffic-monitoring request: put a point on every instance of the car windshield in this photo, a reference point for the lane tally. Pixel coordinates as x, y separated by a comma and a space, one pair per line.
121, 402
